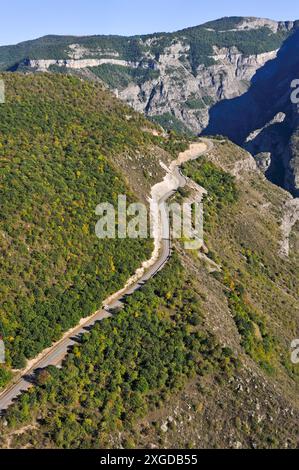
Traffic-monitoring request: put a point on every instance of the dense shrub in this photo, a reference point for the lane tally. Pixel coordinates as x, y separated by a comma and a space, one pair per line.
58, 140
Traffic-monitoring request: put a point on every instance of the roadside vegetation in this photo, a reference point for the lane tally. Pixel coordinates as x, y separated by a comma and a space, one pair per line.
169, 122
61, 141
201, 353
127, 366
247, 272
220, 185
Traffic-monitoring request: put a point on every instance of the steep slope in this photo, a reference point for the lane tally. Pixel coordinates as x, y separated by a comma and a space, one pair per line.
264, 119
188, 80
199, 357
183, 73
65, 146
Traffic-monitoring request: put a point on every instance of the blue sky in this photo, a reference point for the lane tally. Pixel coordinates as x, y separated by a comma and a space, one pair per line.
28, 19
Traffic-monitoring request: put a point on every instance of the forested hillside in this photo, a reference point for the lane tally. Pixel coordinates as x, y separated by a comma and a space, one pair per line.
200, 39
127, 366
190, 80
62, 142
200, 356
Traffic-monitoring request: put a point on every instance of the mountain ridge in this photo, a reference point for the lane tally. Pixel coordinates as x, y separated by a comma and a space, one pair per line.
182, 79
280, 23
222, 22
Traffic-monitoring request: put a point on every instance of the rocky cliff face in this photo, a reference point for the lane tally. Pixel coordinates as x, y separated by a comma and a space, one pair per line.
231, 77
175, 89
264, 119
188, 97
43, 65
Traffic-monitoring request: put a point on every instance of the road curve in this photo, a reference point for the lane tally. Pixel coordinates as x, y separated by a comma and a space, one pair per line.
58, 351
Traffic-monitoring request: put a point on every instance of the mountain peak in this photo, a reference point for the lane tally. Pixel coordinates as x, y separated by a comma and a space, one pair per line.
239, 23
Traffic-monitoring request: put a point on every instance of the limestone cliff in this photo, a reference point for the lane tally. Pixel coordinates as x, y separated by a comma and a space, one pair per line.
230, 76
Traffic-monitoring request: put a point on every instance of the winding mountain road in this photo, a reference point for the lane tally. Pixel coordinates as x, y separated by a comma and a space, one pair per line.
55, 355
